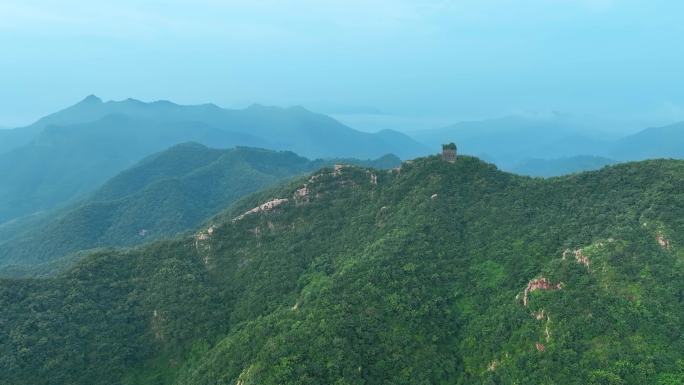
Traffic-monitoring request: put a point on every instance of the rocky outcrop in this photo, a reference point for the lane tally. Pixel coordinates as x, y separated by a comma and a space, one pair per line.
662, 241
268, 206
539, 284
581, 258
579, 255
301, 195
202, 244
337, 169
373, 179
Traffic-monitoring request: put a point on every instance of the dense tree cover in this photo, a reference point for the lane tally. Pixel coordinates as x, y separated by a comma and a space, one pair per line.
411, 276
560, 166
166, 193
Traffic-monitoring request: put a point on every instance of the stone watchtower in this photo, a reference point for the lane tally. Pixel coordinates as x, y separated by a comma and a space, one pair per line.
449, 152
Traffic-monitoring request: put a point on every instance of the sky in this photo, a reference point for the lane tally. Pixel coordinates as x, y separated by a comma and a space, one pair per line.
426, 62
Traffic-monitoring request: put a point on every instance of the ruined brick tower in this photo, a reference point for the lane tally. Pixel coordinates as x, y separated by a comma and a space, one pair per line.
449, 152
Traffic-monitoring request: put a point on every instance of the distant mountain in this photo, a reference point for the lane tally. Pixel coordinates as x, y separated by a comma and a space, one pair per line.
656, 142
514, 140
81, 112
510, 139
560, 166
437, 273
13, 138
167, 193
71, 152
295, 129
62, 163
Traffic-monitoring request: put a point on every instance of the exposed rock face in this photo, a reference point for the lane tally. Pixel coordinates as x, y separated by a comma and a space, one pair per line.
539, 284
662, 241
579, 255
547, 331
268, 206
204, 235
337, 169
202, 245
373, 179
301, 195
433, 197
581, 258
302, 192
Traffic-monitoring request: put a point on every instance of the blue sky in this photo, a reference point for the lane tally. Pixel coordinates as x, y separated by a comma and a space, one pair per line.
421, 59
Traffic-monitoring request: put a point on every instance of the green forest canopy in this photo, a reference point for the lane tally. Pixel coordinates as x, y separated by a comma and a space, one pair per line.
436, 273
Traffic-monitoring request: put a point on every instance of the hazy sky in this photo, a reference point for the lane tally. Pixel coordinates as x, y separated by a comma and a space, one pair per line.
419, 58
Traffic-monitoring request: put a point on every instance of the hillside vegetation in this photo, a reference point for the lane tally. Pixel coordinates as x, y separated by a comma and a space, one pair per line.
167, 193
434, 274
560, 166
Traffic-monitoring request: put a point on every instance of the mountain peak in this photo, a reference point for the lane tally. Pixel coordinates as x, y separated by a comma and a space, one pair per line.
91, 99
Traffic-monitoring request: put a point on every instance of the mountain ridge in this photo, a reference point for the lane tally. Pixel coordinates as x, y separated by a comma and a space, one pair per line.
93, 108
166, 193
484, 276
71, 152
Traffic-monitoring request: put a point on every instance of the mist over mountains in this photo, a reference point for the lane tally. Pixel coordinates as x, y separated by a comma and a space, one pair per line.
65, 155
514, 141
69, 153
295, 129
157, 243
384, 192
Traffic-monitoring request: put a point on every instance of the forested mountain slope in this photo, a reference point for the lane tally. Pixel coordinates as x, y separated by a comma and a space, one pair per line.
560, 166
436, 273
167, 193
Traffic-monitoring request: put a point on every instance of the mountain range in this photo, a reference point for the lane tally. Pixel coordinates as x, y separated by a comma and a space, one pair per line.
68, 154
556, 145
61, 158
436, 272
164, 194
